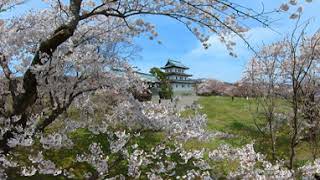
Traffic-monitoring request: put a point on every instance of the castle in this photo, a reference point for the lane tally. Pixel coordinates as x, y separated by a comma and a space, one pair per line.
180, 81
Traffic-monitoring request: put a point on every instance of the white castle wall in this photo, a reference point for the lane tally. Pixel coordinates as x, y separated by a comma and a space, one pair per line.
182, 87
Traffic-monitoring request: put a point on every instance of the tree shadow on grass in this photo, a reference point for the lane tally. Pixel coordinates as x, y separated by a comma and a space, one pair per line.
243, 129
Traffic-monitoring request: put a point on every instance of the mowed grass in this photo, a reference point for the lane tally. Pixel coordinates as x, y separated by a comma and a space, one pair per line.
229, 116
233, 117
237, 117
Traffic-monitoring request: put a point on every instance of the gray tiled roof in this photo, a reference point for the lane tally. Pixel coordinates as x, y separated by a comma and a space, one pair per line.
147, 77
173, 63
143, 76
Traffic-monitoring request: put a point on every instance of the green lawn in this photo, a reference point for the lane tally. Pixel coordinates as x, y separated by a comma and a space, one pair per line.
228, 116
237, 117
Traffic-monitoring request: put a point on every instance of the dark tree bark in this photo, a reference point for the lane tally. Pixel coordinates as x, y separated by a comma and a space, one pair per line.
23, 102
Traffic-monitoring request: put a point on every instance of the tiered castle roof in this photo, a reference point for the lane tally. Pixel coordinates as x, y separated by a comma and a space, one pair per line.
173, 63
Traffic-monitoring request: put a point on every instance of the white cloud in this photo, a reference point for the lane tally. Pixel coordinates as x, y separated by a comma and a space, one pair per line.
216, 62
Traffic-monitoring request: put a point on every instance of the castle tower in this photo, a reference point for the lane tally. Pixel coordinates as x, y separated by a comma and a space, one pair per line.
179, 80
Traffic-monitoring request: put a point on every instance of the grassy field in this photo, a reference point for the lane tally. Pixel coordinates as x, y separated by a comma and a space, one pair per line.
228, 116
237, 117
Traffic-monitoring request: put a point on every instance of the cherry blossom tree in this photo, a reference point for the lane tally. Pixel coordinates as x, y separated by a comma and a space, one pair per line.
264, 74
304, 55
310, 109
59, 59
289, 70
210, 87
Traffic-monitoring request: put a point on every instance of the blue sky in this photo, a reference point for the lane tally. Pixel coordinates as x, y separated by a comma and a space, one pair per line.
179, 44
215, 62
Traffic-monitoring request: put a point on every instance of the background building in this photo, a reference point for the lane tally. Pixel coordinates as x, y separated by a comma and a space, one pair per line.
150, 80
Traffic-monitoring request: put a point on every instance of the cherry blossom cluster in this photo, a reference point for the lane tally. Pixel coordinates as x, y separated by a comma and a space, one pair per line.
163, 117
311, 169
292, 4
252, 165
40, 165
210, 87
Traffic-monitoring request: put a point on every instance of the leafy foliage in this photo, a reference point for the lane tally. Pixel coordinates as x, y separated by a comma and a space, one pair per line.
165, 86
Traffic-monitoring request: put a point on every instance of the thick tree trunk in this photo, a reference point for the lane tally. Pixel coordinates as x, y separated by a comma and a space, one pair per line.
27, 99
47, 47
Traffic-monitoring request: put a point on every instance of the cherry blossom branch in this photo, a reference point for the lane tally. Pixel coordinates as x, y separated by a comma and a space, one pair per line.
46, 47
